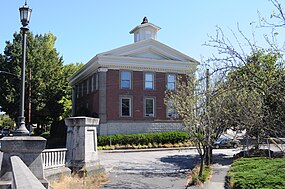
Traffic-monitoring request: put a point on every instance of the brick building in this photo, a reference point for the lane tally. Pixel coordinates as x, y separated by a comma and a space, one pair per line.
125, 86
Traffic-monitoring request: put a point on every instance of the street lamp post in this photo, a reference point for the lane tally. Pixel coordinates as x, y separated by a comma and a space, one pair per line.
25, 14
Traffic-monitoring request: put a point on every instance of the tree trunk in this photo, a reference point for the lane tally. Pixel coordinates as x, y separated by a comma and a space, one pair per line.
207, 156
211, 154
201, 165
257, 141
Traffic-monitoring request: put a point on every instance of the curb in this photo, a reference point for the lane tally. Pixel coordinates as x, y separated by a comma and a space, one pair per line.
146, 150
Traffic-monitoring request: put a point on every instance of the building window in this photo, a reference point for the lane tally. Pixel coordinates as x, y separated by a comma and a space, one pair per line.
149, 81
82, 88
126, 104
97, 81
87, 86
171, 110
147, 34
92, 83
126, 80
149, 107
77, 91
171, 82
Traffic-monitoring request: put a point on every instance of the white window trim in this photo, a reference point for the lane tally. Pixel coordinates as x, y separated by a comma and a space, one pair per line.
77, 91
153, 80
131, 79
82, 88
97, 81
87, 86
153, 107
130, 108
175, 78
167, 110
92, 83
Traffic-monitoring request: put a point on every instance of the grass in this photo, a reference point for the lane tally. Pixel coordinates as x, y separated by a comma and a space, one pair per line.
261, 173
194, 179
76, 182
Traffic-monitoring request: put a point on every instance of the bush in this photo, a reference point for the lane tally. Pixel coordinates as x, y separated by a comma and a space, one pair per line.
251, 173
143, 139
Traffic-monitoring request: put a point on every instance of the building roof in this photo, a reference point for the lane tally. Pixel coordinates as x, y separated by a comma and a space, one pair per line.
146, 55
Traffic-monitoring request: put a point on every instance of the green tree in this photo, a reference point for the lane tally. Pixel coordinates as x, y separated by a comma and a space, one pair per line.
261, 82
66, 101
6, 122
46, 79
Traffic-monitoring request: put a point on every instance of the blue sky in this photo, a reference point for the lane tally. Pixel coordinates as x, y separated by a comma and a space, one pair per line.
86, 28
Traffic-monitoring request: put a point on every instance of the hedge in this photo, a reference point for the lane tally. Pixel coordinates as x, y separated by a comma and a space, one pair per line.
262, 173
143, 139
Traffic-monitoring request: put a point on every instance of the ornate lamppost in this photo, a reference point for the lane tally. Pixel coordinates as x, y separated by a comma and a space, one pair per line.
25, 14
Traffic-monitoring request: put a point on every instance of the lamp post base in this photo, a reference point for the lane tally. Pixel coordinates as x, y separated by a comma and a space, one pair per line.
21, 130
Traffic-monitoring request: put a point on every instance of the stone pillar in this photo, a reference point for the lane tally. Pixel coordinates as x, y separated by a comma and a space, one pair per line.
102, 94
27, 148
81, 142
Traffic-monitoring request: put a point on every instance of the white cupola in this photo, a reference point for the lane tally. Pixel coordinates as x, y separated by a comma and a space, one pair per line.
145, 30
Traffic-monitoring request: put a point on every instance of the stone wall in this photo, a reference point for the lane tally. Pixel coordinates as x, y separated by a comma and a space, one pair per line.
112, 128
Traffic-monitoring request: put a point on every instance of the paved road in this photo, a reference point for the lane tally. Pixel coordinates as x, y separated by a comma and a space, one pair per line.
152, 170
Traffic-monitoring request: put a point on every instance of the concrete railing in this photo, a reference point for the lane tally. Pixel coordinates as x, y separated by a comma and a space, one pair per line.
53, 158
23, 178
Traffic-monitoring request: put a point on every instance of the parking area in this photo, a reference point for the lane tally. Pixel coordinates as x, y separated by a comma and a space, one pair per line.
153, 170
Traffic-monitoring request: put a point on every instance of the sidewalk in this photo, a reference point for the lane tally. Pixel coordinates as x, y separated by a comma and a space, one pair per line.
219, 172
217, 180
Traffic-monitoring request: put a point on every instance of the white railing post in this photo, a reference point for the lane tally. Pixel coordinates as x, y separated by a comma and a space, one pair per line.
53, 158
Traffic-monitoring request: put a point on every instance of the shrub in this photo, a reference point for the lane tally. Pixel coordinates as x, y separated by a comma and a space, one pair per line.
143, 139
251, 173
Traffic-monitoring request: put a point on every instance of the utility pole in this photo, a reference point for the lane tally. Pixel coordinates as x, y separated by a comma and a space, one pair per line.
209, 148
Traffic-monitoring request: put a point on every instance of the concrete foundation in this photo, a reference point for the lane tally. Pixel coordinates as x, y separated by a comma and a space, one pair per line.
112, 128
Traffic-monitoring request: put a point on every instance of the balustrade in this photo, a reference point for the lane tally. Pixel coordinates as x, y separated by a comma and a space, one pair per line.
54, 157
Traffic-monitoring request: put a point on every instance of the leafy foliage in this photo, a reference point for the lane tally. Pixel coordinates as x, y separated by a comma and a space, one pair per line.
6, 122
46, 77
256, 93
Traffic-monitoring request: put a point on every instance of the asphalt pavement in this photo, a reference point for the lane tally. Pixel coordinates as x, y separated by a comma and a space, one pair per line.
160, 169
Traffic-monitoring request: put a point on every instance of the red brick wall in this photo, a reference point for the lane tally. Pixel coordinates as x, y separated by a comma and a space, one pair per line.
138, 93
92, 98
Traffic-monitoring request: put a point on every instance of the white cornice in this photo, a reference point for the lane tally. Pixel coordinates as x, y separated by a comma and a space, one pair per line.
157, 28
148, 61
87, 70
83, 69
133, 63
123, 58
143, 64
